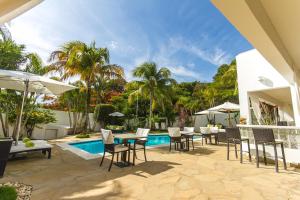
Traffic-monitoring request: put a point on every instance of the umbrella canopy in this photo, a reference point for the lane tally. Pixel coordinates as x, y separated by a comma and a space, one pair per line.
208, 112
15, 80
27, 82
228, 108
116, 114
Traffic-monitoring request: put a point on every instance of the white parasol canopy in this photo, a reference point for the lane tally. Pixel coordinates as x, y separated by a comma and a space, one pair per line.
208, 112
15, 80
116, 114
227, 107
27, 82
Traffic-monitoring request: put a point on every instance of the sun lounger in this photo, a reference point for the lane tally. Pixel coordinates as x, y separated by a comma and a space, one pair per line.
39, 145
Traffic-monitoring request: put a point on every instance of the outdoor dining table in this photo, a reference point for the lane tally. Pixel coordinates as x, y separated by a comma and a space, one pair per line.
125, 137
215, 134
187, 135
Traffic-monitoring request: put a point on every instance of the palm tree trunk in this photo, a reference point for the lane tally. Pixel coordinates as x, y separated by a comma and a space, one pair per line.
87, 107
150, 115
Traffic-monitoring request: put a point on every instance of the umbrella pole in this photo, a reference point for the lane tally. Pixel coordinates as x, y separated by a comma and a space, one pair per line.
229, 122
21, 112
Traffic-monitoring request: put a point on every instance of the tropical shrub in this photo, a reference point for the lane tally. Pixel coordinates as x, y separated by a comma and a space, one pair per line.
83, 135
101, 114
38, 117
8, 193
115, 127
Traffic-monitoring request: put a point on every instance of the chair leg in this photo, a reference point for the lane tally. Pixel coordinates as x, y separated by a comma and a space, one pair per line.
235, 149
264, 152
202, 140
134, 156
111, 162
257, 155
170, 145
227, 149
145, 153
193, 143
249, 153
117, 157
276, 157
102, 159
283, 156
241, 152
128, 162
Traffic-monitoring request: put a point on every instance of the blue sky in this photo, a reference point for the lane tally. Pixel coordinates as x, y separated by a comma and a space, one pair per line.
192, 38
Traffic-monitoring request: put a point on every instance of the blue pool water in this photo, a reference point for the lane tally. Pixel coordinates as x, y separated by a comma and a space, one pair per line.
96, 146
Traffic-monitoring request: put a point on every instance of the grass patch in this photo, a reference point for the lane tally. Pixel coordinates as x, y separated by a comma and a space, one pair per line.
83, 135
8, 193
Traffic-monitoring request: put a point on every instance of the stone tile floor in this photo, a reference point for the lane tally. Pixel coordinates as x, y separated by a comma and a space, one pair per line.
200, 174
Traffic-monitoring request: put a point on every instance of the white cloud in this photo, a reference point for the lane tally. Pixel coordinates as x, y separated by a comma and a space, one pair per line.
184, 72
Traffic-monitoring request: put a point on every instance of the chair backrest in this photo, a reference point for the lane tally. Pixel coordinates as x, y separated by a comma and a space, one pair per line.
107, 136
204, 130
233, 133
174, 131
189, 129
263, 135
142, 132
282, 123
214, 129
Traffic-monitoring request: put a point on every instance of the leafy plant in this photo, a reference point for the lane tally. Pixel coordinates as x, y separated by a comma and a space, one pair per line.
101, 113
8, 193
25, 139
29, 144
83, 135
36, 117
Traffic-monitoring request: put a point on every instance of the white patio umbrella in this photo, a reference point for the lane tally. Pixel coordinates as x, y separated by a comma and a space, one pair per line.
27, 82
208, 113
228, 108
116, 114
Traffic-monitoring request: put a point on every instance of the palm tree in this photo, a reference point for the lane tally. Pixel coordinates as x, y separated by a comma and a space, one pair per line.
86, 61
155, 83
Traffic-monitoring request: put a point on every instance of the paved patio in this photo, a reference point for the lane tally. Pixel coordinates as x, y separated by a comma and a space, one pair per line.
201, 174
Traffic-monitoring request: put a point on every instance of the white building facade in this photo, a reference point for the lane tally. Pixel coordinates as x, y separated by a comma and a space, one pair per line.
260, 83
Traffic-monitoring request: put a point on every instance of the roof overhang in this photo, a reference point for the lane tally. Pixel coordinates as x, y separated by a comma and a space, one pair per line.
272, 27
9, 9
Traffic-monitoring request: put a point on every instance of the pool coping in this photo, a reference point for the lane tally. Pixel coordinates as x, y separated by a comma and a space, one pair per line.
89, 156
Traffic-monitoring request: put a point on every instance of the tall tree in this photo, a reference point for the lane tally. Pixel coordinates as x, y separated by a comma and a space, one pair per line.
86, 61
155, 83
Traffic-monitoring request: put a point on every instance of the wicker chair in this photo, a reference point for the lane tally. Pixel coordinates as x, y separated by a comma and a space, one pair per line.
111, 147
233, 135
140, 144
175, 137
189, 138
205, 131
266, 137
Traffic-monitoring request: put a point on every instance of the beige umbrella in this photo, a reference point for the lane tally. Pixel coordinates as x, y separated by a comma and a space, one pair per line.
228, 108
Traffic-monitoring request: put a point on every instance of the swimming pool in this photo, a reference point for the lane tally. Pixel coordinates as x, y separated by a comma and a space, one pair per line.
96, 146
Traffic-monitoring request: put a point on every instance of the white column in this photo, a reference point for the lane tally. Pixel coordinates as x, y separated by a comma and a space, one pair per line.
296, 101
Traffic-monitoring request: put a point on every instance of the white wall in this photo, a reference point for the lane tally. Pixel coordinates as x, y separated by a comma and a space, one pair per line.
255, 73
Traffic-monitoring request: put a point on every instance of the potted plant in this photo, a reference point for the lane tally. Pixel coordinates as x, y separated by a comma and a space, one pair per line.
5, 145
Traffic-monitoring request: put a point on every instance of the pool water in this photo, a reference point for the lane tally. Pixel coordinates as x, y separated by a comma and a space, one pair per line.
96, 146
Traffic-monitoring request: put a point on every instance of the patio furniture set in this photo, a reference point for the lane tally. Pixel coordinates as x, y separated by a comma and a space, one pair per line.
262, 136
123, 144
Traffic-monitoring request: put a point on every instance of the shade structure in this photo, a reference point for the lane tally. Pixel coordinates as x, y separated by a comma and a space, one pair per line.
227, 107
27, 82
16, 80
208, 112
116, 114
